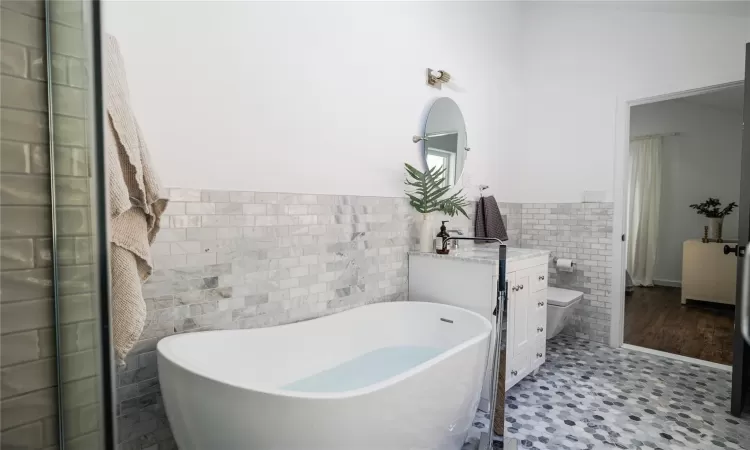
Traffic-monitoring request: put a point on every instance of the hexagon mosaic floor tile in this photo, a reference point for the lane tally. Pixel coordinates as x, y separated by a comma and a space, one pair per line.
590, 396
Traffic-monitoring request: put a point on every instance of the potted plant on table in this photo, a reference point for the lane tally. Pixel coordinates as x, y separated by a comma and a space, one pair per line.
426, 196
712, 209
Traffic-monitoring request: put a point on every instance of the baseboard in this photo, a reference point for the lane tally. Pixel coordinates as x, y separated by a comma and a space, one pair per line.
686, 359
668, 283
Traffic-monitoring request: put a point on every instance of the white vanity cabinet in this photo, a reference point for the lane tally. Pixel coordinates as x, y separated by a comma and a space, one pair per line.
526, 335
468, 279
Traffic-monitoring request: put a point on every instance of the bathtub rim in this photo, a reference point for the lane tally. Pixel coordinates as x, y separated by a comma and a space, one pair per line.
163, 347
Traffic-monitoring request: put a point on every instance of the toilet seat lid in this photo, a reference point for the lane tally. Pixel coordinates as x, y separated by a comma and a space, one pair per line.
562, 297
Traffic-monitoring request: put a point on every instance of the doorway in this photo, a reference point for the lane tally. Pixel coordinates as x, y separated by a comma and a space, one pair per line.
683, 186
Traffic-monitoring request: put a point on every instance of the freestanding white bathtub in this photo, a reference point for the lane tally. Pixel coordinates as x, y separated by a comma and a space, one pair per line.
388, 376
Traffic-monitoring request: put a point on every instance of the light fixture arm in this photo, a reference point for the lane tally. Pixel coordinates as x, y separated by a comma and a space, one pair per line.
436, 78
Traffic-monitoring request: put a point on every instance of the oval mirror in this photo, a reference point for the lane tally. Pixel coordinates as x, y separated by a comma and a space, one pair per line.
445, 139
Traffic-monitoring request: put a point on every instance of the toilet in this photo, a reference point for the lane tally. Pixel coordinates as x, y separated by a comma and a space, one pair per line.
560, 306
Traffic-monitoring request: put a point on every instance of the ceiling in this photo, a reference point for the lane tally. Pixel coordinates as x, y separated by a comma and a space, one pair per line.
729, 99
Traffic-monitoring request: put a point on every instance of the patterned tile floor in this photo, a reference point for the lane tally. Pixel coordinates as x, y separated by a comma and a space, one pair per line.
590, 396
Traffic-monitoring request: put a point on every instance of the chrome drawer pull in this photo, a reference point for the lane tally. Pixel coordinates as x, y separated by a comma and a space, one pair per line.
540, 329
539, 355
514, 372
541, 278
540, 303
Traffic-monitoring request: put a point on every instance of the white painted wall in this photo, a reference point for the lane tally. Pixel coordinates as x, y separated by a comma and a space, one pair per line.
261, 96
254, 95
703, 161
583, 61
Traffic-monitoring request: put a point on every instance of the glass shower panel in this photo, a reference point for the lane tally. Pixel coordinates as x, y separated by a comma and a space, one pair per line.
28, 392
79, 241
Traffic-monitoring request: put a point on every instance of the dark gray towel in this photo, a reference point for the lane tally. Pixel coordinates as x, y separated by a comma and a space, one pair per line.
489, 221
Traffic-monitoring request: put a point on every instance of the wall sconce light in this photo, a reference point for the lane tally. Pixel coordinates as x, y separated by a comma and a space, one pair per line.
436, 78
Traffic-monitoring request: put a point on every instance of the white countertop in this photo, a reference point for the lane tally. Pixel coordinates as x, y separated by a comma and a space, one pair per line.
486, 255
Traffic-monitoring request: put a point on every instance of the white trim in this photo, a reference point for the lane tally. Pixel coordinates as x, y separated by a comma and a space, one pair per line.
688, 93
677, 357
619, 264
622, 145
668, 283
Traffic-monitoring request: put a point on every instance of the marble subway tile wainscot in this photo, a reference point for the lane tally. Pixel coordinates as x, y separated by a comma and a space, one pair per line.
235, 260
583, 233
511, 213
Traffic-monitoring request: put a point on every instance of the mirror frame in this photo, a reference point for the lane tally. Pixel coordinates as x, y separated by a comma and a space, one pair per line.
425, 138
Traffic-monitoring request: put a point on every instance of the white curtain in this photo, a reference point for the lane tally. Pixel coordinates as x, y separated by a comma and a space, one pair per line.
645, 195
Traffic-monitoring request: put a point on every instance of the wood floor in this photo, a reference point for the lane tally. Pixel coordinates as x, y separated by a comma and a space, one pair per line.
655, 319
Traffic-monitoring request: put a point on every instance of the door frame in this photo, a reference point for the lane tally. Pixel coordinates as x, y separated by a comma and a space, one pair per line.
741, 360
619, 227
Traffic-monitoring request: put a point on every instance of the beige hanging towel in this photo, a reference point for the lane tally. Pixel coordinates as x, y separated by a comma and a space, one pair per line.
136, 205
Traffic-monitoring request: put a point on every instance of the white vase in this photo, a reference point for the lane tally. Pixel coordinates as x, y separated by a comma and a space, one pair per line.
426, 239
714, 227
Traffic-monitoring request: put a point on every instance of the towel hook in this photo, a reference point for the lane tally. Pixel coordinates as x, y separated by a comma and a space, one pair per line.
482, 187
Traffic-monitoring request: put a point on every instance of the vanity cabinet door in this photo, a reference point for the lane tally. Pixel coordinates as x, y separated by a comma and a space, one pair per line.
522, 313
508, 314
510, 328
516, 370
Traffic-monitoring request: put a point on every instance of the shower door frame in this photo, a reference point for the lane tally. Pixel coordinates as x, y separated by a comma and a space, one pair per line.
101, 205
94, 98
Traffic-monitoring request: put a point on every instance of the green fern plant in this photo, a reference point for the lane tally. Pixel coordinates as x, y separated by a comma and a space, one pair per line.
428, 189
712, 208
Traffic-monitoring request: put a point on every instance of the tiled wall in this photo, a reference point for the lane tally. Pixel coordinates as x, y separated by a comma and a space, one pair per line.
513, 219
79, 352
252, 259
27, 349
511, 213
228, 259
582, 232
27, 352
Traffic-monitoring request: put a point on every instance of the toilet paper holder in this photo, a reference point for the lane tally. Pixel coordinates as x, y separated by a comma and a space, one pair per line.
555, 258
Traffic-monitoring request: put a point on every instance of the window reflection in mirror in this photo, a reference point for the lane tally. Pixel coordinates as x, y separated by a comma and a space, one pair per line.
442, 152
